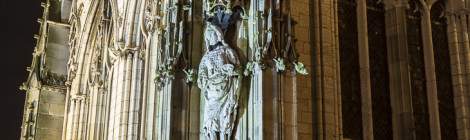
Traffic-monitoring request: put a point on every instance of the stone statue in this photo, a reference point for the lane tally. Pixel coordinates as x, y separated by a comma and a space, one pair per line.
219, 75
219, 81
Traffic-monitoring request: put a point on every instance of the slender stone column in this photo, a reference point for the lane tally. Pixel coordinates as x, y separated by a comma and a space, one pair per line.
125, 96
366, 96
134, 103
98, 124
430, 70
398, 62
105, 113
118, 96
67, 114
290, 116
464, 21
151, 94
465, 63
112, 101
255, 105
144, 93
459, 49
92, 107
326, 81
69, 122
456, 35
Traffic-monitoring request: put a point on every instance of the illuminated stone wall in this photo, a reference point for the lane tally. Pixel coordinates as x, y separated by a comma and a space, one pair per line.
352, 69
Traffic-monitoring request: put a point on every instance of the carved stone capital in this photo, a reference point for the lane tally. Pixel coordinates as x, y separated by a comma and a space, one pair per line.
76, 97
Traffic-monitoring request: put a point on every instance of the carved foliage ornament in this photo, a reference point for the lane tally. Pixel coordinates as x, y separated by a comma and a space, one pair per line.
283, 56
164, 21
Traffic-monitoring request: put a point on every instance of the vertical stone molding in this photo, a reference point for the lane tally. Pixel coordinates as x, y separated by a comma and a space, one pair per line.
458, 44
429, 65
326, 88
398, 61
366, 97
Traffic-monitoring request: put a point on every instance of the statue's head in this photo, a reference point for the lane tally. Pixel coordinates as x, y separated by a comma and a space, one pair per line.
213, 37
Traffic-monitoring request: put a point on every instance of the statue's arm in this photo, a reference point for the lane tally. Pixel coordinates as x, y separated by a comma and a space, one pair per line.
233, 59
232, 56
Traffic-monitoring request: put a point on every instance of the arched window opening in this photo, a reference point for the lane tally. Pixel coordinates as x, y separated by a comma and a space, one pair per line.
349, 70
380, 87
417, 72
443, 72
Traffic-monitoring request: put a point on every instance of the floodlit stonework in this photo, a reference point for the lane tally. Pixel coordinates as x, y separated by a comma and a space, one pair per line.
250, 70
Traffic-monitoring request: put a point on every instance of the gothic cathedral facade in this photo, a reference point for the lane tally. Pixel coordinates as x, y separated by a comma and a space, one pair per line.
250, 70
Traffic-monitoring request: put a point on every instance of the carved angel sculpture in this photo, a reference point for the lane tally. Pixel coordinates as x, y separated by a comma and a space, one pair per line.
219, 81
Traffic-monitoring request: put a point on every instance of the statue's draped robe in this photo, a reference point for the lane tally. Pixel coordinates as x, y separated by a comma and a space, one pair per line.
218, 79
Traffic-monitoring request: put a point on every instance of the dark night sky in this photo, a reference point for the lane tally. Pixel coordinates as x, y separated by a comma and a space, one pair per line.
16, 47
